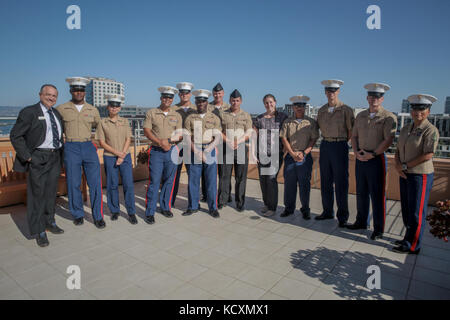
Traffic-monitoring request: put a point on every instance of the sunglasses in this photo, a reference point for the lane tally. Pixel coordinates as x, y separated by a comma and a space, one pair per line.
331, 89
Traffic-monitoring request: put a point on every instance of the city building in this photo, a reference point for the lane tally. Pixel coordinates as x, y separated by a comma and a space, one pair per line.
405, 106
447, 106
98, 87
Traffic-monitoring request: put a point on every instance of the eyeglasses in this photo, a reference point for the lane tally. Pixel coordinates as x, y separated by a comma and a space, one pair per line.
114, 106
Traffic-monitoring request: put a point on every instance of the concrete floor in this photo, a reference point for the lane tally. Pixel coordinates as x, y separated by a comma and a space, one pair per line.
238, 256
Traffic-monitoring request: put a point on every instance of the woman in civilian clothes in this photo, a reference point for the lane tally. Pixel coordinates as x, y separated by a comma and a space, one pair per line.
269, 152
416, 145
114, 135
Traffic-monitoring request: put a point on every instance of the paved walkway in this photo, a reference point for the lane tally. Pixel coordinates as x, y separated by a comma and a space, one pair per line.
238, 256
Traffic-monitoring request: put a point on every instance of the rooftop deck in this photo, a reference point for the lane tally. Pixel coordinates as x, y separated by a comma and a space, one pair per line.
238, 256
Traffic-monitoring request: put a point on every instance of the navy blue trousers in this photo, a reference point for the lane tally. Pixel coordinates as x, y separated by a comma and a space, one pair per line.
414, 193
79, 155
162, 169
177, 177
297, 173
371, 185
112, 183
195, 173
333, 163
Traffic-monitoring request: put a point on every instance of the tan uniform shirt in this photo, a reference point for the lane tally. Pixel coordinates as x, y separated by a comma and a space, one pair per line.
209, 122
191, 109
240, 123
114, 133
218, 111
372, 131
300, 133
161, 125
78, 124
335, 124
421, 140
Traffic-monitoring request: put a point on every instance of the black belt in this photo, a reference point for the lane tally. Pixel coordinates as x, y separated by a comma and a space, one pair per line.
48, 149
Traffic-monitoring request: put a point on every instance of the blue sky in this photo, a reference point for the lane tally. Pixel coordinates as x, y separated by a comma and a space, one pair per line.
281, 47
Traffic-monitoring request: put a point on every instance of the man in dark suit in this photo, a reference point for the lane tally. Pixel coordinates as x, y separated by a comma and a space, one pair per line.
37, 139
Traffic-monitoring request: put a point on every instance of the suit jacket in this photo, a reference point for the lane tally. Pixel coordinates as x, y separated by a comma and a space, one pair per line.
28, 133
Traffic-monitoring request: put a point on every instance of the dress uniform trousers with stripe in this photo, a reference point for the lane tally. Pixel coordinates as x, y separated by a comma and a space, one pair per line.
77, 155
414, 193
297, 173
333, 163
162, 170
177, 177
371, 184
196, 170
112, 183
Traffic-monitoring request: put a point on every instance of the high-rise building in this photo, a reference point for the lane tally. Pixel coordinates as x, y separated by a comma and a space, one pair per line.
98, 87
447, 106
405, 106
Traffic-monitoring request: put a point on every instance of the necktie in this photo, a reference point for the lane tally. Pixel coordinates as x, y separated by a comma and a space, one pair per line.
54, 129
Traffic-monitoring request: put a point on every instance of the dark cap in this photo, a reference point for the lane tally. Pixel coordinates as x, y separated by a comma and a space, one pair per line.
113, 104
420, 106
235, 94
77, 88
331, 89
218, 87
375, 94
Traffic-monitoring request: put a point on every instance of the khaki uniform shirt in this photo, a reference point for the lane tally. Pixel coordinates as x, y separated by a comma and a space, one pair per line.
421, 140
209, 122
78, 124
300, 133
192, 108
240, 122
114, 133
163, 126
372, 131
218, 111
335, 124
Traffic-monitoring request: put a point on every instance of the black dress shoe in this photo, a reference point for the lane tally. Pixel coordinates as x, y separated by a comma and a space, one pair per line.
376, 236
54, 229
240, 209
214, 214
356, 226
230, 200
115, 216
404, 249
132, 219
167, 214
203, 199
188, 212
100, 223
150, 219
399, 242
306, 214
343, 224
285, 214
324, 216
42, 241
78, 221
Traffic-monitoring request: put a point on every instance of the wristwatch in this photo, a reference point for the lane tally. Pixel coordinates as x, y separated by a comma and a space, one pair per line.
404, 166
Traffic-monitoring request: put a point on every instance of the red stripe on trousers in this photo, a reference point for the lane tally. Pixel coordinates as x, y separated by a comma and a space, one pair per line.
383, 158
173, 184
101, 187
148, 186
422, 203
